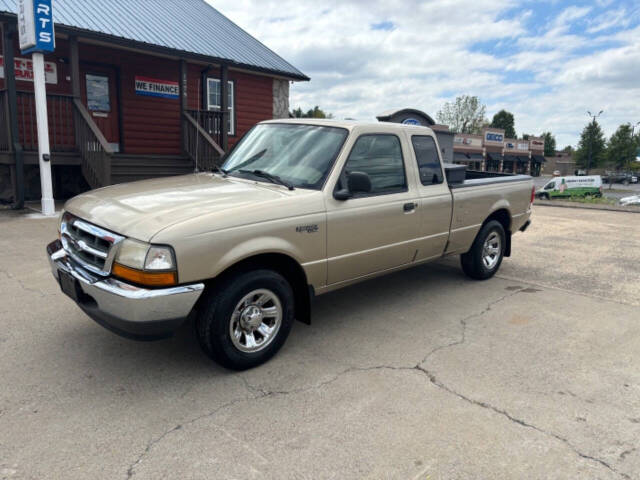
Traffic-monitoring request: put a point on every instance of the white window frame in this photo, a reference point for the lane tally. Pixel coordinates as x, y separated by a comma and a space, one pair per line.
232, 122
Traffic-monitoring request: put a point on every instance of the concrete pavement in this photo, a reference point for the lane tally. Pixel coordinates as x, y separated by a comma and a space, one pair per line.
423, 374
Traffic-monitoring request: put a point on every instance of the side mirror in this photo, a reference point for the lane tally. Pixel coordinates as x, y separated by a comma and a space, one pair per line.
359, 182
356, 182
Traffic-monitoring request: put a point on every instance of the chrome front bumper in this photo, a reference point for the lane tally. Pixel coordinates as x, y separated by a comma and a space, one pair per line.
126, 309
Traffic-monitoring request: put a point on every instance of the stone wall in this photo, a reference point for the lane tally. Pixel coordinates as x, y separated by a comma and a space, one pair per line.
280, 98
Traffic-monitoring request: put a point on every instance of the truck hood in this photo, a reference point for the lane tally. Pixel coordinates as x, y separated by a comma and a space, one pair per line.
141, 209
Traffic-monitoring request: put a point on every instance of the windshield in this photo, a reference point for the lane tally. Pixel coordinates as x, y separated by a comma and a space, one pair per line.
300, 155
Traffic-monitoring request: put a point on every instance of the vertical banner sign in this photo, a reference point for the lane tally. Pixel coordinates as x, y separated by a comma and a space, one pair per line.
35, 26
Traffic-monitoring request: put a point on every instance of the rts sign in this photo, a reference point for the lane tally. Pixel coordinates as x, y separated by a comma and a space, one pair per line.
35, 26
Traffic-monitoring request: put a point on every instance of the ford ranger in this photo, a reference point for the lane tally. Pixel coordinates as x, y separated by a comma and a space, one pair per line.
298, 208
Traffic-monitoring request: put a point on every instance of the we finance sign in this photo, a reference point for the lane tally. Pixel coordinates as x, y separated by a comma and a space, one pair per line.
153, 87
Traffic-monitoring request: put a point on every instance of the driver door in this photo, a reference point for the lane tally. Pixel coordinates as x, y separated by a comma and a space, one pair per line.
372, 232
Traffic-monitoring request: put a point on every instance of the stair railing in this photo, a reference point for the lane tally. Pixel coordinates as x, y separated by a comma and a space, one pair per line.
95, 151
201, 148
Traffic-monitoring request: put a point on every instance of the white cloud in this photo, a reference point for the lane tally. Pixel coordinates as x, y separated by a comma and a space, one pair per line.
612, 18
549, 78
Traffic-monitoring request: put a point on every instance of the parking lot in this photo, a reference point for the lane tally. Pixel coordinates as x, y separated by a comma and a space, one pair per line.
424, 374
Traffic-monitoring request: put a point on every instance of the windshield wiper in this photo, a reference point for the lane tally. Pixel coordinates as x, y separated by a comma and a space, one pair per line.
218, 169
251, 159
268, 176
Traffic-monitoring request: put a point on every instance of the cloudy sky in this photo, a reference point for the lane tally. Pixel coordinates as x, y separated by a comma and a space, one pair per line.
548, 62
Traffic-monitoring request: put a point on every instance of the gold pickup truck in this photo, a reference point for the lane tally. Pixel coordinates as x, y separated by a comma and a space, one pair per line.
298, 208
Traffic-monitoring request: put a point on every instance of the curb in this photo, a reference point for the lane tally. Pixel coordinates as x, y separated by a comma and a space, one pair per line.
585, 206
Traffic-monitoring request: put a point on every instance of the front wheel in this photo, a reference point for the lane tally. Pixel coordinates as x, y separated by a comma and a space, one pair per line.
244, 322
483, 260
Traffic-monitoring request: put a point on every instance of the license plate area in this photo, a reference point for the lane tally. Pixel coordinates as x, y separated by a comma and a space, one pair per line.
69, 285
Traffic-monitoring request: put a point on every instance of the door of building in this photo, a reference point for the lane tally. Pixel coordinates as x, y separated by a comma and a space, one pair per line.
98, 86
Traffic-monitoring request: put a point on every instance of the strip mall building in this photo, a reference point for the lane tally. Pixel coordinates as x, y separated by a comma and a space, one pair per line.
489, 152
492, 152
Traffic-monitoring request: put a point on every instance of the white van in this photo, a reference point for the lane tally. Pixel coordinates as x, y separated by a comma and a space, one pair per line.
576, 186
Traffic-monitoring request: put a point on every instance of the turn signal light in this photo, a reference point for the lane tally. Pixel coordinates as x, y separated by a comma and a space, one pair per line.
150, 279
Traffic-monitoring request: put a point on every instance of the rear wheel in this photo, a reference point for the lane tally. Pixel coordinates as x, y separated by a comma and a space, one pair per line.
245, 322
544, 196
483, 260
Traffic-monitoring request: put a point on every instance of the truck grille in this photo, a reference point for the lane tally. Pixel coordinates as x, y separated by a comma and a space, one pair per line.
91, 246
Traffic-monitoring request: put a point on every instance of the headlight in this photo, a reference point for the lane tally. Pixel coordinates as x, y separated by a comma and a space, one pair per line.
145, 264
132, 253
159, 258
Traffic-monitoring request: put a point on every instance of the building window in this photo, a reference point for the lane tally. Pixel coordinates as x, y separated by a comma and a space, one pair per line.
214, 100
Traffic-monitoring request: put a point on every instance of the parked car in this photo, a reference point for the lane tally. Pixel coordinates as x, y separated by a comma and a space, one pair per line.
620, 177
632, 200
299, 208
571, 186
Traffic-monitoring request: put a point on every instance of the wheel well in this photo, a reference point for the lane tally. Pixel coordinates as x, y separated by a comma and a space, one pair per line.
504, 217
285, 266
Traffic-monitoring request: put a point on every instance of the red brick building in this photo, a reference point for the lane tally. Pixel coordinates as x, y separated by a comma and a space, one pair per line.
135, 90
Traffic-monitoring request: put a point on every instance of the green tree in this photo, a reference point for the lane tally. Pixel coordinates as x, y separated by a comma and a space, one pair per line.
592, 143
315, 112
505, 120
525, 136
568, 149
549, 144
621, 148
465, 115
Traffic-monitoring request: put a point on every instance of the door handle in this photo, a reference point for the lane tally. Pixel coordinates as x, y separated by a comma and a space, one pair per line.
409, 207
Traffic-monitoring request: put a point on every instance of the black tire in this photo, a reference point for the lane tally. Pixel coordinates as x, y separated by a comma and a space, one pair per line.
544, 196
215, 311
472, 262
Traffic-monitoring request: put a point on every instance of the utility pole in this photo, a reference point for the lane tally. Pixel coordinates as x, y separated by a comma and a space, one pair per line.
591, 139
35, 29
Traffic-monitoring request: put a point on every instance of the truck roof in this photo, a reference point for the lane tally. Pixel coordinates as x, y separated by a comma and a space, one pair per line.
351, 124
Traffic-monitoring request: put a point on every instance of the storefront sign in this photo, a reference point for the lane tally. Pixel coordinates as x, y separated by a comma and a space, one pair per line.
24, 70
157, 88
494, 137
467, 141
411, 121
509, 145
35, 26
537, 144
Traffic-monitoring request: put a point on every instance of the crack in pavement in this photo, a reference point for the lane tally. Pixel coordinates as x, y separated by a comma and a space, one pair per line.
24, 287
463, 323
260, 393
155, 441
519, 421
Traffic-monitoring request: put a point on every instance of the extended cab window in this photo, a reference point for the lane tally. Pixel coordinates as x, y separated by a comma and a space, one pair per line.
427, 158
380, 157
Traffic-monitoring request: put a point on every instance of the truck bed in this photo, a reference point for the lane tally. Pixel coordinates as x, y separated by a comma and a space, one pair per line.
474, 178
493, 192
